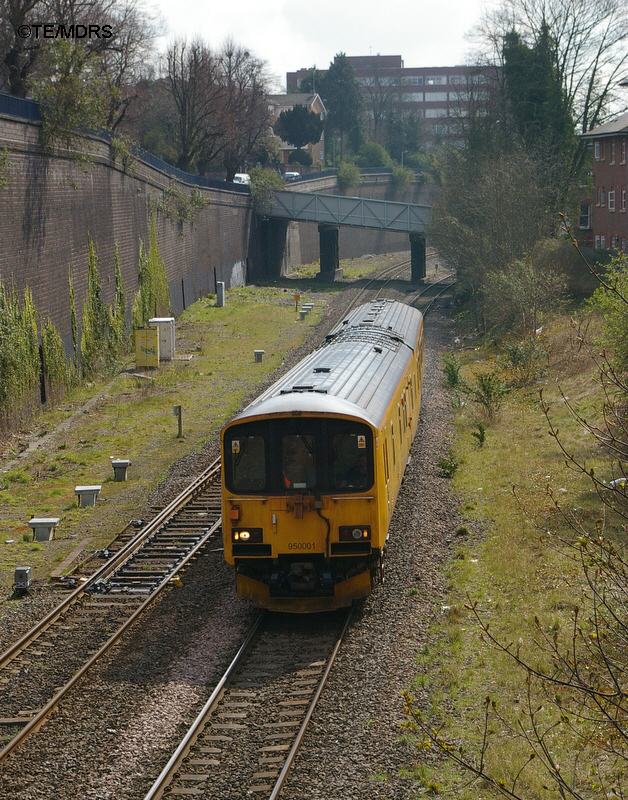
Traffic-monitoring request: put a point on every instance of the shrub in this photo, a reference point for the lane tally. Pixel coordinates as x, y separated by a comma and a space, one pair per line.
263, 184
152, 298
348, 176
524, 358
401, 178
480, 433
488, 390
448, 466
610, 298
372, 154
19, 355
451, 370
57, 371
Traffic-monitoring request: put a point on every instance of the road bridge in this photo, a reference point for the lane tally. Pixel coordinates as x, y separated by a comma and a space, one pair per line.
333, 211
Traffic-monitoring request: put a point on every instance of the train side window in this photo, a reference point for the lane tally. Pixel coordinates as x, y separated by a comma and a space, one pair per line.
392, 439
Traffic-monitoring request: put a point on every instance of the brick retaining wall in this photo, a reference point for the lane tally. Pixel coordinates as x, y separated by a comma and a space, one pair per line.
51, 204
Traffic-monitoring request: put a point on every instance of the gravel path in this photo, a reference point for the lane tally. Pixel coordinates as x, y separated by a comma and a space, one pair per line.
117, 730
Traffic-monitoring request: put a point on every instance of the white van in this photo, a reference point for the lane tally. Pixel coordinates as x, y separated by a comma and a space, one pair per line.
242, 177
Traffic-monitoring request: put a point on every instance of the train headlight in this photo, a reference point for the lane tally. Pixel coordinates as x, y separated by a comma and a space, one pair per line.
247, 535
354, 533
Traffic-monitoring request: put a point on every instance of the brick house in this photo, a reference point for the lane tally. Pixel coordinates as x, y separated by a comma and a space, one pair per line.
286, 102
608, 212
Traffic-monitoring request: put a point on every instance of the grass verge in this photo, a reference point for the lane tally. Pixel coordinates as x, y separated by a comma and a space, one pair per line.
512, 571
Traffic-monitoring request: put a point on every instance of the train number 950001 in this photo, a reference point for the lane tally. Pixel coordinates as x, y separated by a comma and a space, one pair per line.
301, 546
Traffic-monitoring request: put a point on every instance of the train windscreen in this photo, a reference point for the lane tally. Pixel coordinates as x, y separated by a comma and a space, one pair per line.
299, 454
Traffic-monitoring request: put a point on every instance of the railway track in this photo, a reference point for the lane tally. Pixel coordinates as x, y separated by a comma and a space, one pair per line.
250, 729
41, 667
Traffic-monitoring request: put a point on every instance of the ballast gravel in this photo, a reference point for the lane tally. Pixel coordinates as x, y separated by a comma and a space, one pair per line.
115, 732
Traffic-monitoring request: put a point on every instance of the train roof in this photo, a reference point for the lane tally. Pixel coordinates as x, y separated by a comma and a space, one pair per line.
354, 372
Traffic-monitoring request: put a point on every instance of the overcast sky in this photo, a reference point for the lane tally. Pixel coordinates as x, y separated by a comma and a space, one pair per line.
290, 34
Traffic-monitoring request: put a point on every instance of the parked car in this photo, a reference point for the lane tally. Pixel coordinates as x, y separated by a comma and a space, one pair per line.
291, 176
242, 177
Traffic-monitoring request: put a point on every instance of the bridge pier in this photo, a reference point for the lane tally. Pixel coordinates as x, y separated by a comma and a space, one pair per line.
272, 236
329, 257
417, 257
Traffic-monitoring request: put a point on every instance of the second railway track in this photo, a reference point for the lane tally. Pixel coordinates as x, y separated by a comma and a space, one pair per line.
40, 668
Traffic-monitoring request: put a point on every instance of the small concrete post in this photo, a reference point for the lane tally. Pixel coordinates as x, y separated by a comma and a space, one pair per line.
220, 294
43, 528
120, 466
259, 354
87, 495
303, 314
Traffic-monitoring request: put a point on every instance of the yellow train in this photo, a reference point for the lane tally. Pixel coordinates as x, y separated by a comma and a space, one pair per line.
312, 468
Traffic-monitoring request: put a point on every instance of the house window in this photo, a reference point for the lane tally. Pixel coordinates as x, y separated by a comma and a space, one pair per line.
455, 79
597, 242
436, 97
623, 199
585, 216
436, 80
432, 113
412, 80
611, 199
612, 151
596, 147
601, 196
603, 242
624, 244
623, 151
614, 242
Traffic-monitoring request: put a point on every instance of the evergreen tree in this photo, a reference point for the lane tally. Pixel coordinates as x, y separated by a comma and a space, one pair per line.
341, 95
539, 108
299, 126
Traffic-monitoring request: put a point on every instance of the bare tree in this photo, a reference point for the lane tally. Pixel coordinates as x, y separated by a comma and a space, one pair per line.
382, 97
245, 111
198, 94
129, 59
